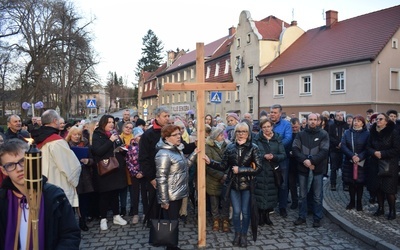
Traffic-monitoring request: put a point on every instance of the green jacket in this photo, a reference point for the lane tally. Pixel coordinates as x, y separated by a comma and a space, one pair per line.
213, 176
266, 192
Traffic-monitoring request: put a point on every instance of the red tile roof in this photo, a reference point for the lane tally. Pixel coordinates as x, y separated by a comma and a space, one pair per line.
353, 40
190, 57
270, 27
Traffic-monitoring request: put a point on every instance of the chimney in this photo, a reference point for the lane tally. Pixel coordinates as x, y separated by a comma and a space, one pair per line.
293, 23
171, 57
331, 17
232, 31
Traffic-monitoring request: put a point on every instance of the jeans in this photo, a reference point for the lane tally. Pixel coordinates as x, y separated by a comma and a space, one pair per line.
317, 191
283, 190
241, 205
336, 160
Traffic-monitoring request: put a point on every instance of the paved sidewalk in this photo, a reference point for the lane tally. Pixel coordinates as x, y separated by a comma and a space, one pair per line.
377, 232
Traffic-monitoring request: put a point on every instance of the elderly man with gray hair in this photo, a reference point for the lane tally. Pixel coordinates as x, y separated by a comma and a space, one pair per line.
60, 165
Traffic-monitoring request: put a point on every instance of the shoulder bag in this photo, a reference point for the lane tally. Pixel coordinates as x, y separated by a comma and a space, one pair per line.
383, 166
107, 166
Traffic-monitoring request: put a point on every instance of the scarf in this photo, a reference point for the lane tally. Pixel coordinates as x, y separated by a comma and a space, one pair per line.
219, 143
126, 138
12, 218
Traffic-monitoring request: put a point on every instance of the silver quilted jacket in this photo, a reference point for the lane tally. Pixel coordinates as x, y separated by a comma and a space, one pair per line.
172, 172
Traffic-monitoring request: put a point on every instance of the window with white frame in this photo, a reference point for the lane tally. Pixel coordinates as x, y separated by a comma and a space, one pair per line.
228, 96
191, 73
184, 97
151, 85
145, 87
338, 81
167, 79
238, 42
395, 43
151, 101
185, 75
237, 93
227, 65
251, 74
251, 104
394, 79
179, 97
192, 97
178, 76
167, 99
208, 71
173, 78
278, 88
216, 69
162, 99
173, 98
305, 85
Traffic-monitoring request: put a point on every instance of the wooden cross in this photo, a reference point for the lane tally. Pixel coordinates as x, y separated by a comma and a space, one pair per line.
200, 86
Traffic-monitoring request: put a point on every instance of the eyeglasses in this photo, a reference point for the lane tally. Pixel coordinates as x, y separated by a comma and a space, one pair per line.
129, 128
11, 166
380, 119
177, 134
241, 131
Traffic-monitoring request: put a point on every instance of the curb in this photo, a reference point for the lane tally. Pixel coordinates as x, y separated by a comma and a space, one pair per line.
357, 232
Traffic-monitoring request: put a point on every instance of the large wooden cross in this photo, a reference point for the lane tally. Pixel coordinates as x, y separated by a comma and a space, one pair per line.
200, 86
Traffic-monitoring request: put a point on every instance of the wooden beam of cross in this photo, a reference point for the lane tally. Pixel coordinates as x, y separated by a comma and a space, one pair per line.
200, 86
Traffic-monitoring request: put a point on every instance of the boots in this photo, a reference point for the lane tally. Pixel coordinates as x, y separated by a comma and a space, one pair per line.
261, 220
225, 225
352, 192
82, 224
391, 198
236, 240
215, 225
380, 211
267, 219
243, 240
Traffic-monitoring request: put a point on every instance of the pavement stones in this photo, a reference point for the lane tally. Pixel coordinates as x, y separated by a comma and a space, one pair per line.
340, 229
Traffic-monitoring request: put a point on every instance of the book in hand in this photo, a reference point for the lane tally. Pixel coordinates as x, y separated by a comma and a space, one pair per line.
120, 148
81, 152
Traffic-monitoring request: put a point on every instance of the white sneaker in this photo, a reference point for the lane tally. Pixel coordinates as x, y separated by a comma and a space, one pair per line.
119, 221
135, 219
103, 224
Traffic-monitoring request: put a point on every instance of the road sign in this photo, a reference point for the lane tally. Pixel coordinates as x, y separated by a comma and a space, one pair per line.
145, 112
216, 97
91, 103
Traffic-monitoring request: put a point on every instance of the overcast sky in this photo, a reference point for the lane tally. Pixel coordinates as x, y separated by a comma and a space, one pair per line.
121, 24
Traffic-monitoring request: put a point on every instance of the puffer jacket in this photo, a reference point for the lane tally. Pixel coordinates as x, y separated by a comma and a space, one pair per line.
214, 176
358, 138
172, 172
312, 144
266, 192
241, 156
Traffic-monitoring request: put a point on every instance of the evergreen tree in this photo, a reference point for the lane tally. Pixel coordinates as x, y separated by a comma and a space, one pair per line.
151, 53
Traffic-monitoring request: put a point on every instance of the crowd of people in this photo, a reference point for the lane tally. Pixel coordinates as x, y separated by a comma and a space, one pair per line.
276, 161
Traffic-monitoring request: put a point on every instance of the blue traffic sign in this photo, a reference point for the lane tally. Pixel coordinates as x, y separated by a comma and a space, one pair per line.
91, 103
216, 97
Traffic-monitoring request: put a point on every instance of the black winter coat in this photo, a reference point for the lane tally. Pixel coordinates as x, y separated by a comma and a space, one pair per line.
336, 130
61, 227
312, 144
387, 141
358, 138
242, 156
103, 148
147, 149
266, 192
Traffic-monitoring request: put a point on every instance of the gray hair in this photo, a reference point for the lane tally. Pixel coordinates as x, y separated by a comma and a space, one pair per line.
9, 118
161, 109
277, 106
49, 115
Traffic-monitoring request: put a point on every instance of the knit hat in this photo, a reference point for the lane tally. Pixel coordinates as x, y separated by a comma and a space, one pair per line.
234, 115
215, 133
137, 131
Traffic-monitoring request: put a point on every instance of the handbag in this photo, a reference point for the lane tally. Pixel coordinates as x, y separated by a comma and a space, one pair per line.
383, 166
107, 166
164, 232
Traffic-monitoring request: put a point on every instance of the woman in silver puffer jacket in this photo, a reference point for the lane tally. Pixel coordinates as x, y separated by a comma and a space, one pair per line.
172, 172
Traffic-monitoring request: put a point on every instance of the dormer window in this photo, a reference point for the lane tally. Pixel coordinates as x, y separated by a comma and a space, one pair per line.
395, 43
